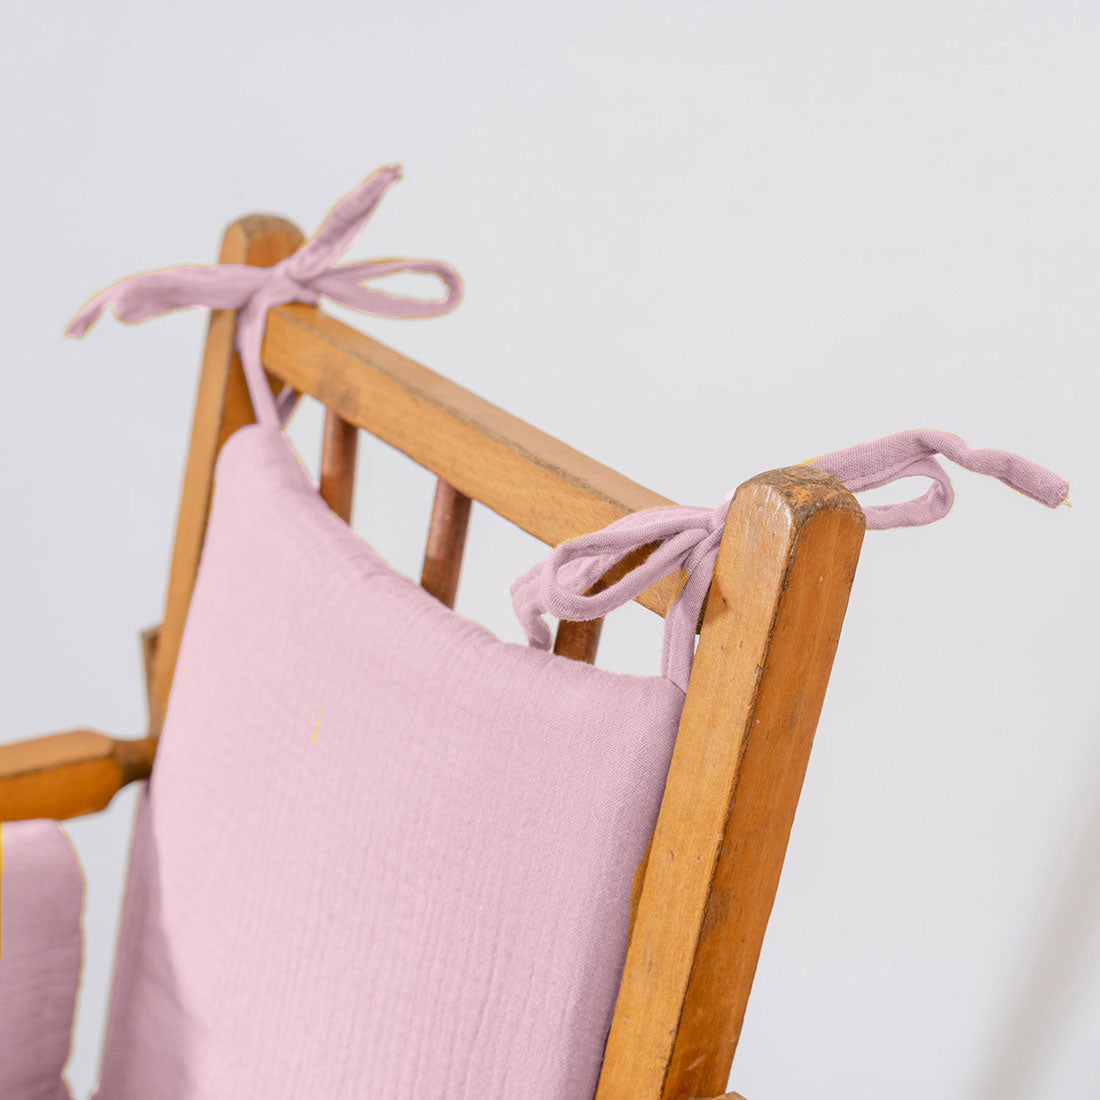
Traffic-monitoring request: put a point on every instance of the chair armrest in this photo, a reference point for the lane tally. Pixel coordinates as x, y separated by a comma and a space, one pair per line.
41, 896
68, 774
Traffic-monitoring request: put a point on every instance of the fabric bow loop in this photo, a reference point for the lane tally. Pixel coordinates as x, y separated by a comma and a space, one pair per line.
912, 454
305, 276
566, 583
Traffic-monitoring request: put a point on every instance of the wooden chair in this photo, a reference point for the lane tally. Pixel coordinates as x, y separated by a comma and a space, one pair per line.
767, 640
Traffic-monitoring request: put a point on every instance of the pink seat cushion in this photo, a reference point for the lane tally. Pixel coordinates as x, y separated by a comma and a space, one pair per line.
41, 897
383, 853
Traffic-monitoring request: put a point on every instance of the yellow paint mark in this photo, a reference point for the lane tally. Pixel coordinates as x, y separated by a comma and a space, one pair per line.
314, 737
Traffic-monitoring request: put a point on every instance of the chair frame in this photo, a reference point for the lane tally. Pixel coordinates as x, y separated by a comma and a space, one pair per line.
704, 891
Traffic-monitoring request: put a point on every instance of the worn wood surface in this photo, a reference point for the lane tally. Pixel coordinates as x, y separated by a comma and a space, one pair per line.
532, 479
338, 454
67, 774
770, 631
446, 543
222, 406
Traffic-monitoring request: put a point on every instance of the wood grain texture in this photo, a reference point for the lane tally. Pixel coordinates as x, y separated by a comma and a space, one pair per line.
67, 774
578, 641
338, 454
148, 639
446, 543
222, 406
530, 478
636, 889
773, 619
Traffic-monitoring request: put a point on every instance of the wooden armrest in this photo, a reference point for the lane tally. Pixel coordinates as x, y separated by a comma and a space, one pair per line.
68, 774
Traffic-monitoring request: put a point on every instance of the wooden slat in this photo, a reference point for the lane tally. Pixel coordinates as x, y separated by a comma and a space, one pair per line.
446, 542
221, 408
530, 478
578, 641
778, 597
338, 452
148, 639
67, 774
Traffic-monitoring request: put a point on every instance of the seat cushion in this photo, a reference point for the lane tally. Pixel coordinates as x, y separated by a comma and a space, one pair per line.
382, 853
41, 898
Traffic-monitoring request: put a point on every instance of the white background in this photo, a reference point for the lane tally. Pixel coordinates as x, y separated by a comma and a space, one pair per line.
698, 242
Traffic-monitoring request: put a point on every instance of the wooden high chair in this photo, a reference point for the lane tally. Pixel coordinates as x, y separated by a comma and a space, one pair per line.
767, 640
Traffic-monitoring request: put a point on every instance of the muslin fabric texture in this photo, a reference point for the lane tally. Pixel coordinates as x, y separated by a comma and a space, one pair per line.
382, 854
41, 896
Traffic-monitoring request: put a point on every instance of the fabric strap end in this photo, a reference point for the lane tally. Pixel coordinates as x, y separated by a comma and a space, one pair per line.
85, 318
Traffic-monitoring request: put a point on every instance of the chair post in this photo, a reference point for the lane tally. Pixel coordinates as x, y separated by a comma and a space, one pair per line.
221, 408
770, 631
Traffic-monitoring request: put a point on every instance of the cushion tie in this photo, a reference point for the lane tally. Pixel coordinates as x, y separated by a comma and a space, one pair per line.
302, 277
688, 538
910, 454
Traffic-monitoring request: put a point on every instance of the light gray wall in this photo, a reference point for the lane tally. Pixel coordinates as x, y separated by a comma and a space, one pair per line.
699, 241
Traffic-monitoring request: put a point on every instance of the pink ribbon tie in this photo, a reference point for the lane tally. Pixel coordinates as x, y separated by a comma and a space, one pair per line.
688, 538
912, 454
303, 277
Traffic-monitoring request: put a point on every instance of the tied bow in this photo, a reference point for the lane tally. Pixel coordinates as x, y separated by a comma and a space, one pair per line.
688, 538
302, 277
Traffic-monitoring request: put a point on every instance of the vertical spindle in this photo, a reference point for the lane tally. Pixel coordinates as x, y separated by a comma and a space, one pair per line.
446, 543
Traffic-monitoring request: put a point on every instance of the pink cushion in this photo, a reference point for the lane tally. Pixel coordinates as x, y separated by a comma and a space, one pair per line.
41, 897
383, 853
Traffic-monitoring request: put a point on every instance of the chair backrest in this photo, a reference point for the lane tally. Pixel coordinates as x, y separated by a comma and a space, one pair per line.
768, 635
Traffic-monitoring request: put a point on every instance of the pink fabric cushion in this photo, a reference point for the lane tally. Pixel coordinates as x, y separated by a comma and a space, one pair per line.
382, 853
41, 897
